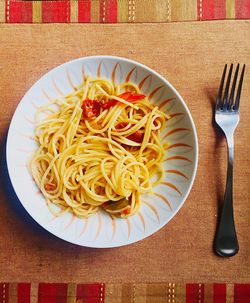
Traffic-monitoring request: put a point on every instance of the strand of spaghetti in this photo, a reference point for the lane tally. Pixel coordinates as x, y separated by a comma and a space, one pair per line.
103, 91
45, 176
109, 114
130, 85
133, 129
124, 102
105, 174
111, 121
147, 132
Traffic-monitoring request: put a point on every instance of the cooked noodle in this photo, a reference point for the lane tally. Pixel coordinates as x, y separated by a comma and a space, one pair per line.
98, 147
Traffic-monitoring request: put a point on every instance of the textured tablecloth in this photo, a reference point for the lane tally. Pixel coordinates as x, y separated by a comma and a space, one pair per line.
112, 11
191, 56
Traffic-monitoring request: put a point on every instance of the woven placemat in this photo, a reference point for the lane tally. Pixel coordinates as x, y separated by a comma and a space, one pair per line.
191, 56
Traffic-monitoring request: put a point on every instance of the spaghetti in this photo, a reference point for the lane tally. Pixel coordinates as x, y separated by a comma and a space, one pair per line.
98, 147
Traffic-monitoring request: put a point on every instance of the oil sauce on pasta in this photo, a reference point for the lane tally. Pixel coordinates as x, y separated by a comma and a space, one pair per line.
99, 147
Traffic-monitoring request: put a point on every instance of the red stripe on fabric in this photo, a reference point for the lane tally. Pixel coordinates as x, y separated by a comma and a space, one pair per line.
219, 9
52, 293
220, 293
84, 10
207, 9
90, 293
242, 9
18, 11
23, 293
4, 293
194, 293
241, 293
55, 11
108, 11
112, 11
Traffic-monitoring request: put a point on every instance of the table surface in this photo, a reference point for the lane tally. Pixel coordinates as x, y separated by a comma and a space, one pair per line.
191, 56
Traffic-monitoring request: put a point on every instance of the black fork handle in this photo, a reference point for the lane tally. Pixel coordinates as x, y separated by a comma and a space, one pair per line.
226, 243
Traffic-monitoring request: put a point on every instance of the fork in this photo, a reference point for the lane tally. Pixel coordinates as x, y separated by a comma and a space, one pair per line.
227, 118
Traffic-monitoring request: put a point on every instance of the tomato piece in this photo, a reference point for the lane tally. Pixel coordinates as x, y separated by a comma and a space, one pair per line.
121, 125
136, 136
155, 123
49, 186
153, 155
125, 95
109, 104
91, 108
126, 211
135, 97
130, 96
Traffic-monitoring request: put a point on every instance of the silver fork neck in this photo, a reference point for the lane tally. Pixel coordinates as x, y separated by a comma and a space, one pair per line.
230, 140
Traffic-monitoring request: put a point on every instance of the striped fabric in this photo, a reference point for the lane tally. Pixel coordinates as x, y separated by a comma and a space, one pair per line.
112, 11
123, 293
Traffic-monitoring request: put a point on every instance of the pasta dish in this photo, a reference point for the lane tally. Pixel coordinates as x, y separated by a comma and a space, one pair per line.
99, 147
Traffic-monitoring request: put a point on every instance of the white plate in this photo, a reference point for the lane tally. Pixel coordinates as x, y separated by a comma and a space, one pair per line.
181, 158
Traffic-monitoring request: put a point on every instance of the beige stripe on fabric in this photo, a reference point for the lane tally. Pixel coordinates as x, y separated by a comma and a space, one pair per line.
113, 293
95, 10
151, 11
34, 293
13, 292
2, 11
208, 293
230, 293
71, 293
127, 293
36, 11
73, 11
122, 11
183, 10
230, 9
140, 293
156, 293
180, 293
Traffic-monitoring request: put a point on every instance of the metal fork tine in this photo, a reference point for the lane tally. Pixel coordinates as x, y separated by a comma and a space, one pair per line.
225, 99
219, 95
237, 100
231, 98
